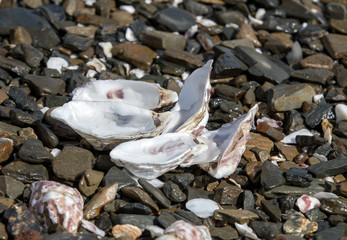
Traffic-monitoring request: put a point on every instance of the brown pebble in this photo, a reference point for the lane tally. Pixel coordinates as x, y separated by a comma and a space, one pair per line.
20, 35
336, 45
319, 60
339, 178
3, 96
246, 31
288, 151
339, 25
270, 131
300, 158
259, 141
6, 149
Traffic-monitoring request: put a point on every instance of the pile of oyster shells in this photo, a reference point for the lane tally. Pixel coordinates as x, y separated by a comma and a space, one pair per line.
120, 114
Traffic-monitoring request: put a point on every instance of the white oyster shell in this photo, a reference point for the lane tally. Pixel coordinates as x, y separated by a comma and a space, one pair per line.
52, 202
191, 111
150, 158
209, 206
141, 94
103, 124
231, 141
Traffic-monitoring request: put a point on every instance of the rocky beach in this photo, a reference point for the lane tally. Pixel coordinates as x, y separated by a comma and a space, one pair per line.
173, 119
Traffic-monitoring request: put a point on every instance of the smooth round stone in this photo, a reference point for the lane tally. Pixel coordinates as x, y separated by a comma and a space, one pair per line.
341, 112
339, 25
175, 19
47, 136
195, 204
336, 10
33, 151
319, 60
25, 172
141, 221
334, 206
306, 203
173, 192
135, 208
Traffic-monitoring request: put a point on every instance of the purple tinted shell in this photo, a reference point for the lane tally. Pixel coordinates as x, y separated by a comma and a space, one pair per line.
53, 202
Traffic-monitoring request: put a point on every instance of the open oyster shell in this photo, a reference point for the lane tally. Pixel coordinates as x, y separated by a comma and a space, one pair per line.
105, 124
191, 111
141, 94
231, 141
150, 158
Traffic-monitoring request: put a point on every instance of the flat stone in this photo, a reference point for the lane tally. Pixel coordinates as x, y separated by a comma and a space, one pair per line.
336, 94
285, 97
296, 9
271, 210
25, 172
298, 177
238, 42
21, 99
233, 216
228, 65
271, 176
175, 19
341, 76
114, 174
224, 233
46, 135
312, 75
229, 92
330, 168
314, 117
259, 141
198, 193
287, 202
246, 32
141, 221
3, 96
20, 220
19, 35
163, 40
269, 131
318, 60
227, 17
289, 151
6, 148
27, 53
141, 196
316, 215
23, 119
104, 196
18, 67
123, 18
276, 24
336, 45
334, 233
135, 208
83, 31
266, 230
90, 181
299, 226
71, 163
155, 193
339, 25
189, 60
11, 187
32, 151
261, 66
42, 85
91, 19
8, 129
336, 10
136, 54
227, 195
77, 43
292, 190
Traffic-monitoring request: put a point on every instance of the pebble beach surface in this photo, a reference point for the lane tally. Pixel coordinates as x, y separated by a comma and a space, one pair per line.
287, 56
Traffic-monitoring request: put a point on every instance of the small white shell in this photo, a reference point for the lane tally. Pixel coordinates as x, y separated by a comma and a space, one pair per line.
306, 203
107, 48
203, 208
341, 112
92, 228
246, 231
184, 230
97, 65
57, 63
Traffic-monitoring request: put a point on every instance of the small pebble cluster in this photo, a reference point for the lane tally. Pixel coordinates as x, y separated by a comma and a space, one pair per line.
287, 56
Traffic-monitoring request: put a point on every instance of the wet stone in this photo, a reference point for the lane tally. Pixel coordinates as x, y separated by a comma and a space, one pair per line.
233, 216
336, 45
138, 55
25, 172
299, 226
163, 40
173, 192
11, 187
315, 215
42, 85
224, 233
175, 19
141, 221
72, 162
260, 66
46, 135
285, 97
334, 206
135, 208
21, 99
28, 54
298, 177
266, 230
229, 92
141, 196
114, 174
334, 233
314, 117
271, 176
287, 25
33, 151
272, 210
20, 220
228, 65
312, 75
23, 119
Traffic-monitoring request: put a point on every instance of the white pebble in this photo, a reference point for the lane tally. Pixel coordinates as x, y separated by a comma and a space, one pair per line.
97, 65
185, 75
341, 112
130, 35
206, 211
92, 228
44, 109
57, 63
205, 22
89, 3
155, 231
55, 152
260, 13
246, 231
290, 139
107, 48
138, 72
318, 99
306, 203
91, 73
130, 9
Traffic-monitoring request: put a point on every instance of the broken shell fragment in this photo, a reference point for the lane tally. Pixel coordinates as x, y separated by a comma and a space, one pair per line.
141, 94
55, 203
209, 206
126, 231
150, 158
104, 124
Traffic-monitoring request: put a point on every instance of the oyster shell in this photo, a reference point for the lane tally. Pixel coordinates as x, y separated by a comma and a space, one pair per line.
150, 158
191, 111
104, 124
141, 94
231, 141
52, 202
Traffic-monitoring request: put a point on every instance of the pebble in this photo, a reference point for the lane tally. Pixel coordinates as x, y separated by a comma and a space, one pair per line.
339, 25
233, 216
315, 215
19, 35
289, 151
311, 75
285, 97
141, 196
25, 172
299, 226
33, 151
71, 163
246, 32
266, 230
126, 232
195, 204
135, 208
224, 233
228, 65
270, 131
89, 182
298, 177
341, 112
28, 54
306, 203
273, 211
191, 61
6, 148
227, 194
335, 45
155, 193
141, 221
11, 187
163, 40
115, 175
175, 19
100, 199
